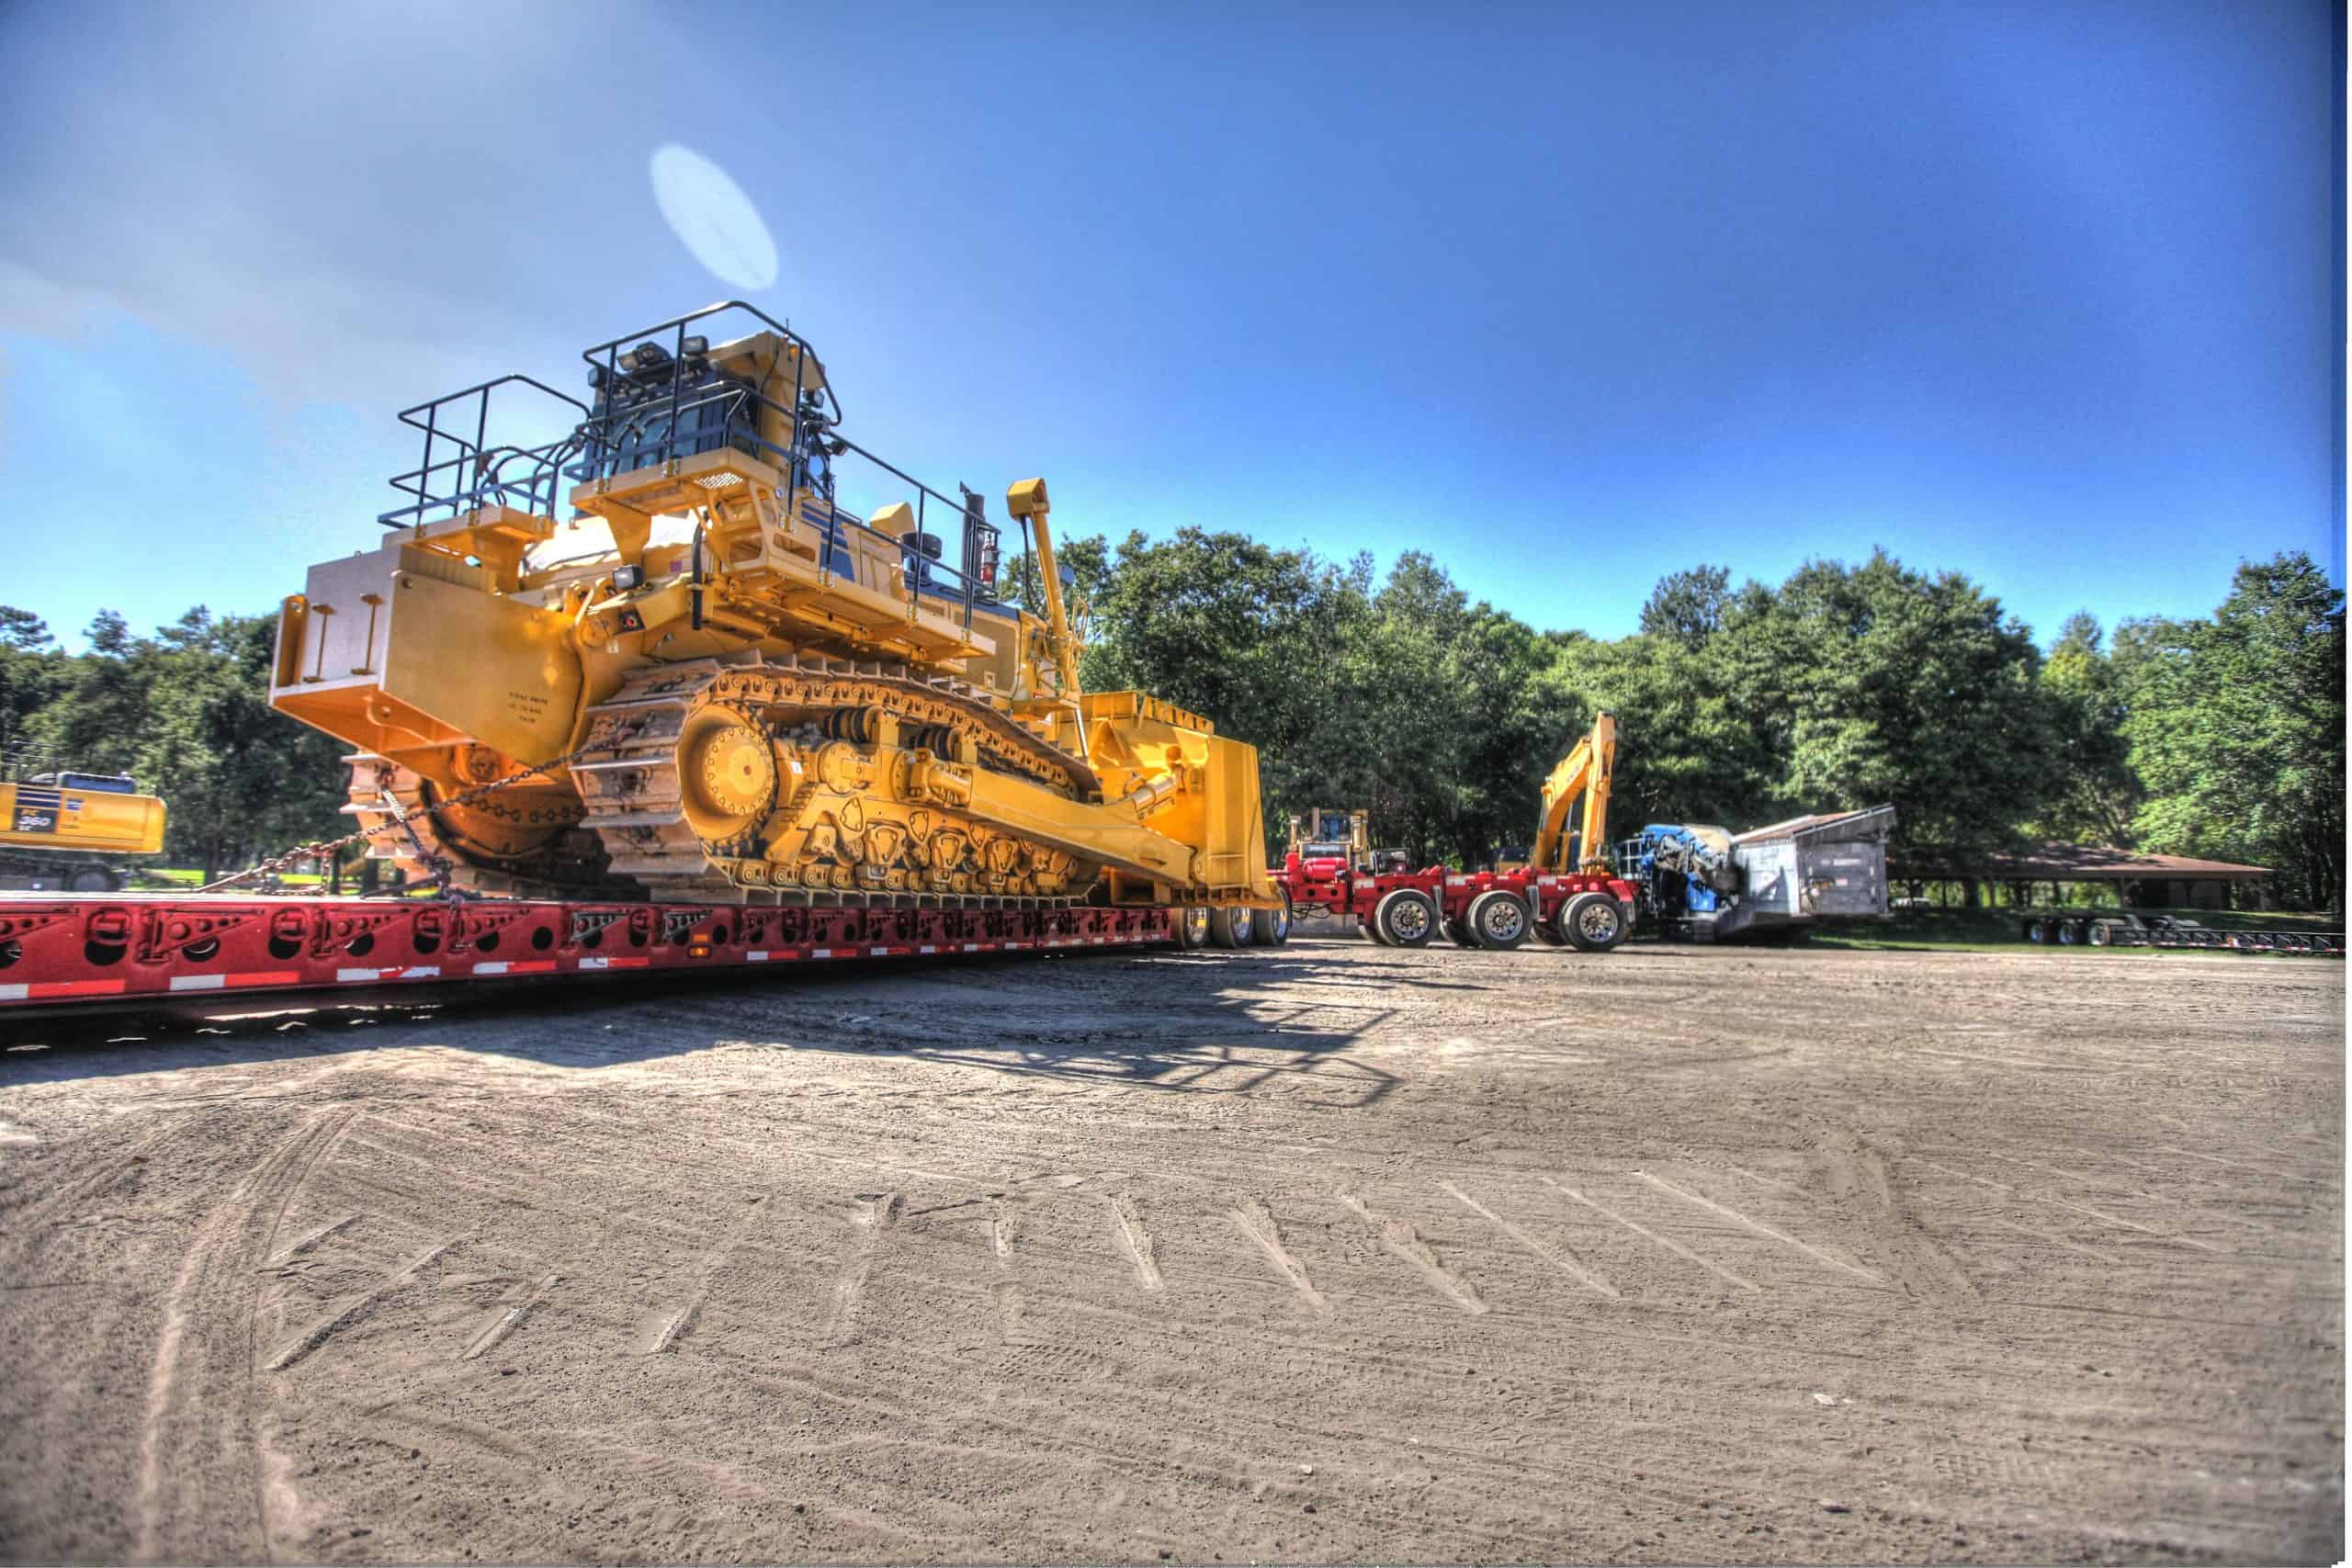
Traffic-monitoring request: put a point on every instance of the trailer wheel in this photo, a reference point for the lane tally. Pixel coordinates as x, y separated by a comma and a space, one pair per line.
1595, 922
1458, 928
1405, 918
1272, 928
1550, 933
2069, 933
1497, 920
93, 879
2037, 931
1192, 927
1230, 925
2101, 934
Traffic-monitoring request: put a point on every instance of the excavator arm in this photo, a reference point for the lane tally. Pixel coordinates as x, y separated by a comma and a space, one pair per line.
1583, 774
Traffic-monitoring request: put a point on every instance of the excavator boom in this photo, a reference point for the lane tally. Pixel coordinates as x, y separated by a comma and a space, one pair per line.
1584, 775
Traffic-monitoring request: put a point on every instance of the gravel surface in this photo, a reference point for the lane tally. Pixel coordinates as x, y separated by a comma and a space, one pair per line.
1324, 1253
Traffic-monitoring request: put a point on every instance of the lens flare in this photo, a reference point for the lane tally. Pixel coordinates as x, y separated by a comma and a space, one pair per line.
712, 218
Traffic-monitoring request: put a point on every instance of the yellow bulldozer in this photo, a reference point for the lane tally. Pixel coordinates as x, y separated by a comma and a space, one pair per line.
685, 641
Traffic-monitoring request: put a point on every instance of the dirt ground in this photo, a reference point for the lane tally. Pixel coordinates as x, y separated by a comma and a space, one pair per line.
1332, 1252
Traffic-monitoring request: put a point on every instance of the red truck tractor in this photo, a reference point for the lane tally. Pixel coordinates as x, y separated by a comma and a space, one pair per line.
1566, 894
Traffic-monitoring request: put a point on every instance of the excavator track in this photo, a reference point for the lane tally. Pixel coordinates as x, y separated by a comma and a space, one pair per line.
627, 771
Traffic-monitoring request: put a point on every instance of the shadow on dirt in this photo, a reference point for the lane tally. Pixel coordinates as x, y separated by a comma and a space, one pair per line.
1190, 1022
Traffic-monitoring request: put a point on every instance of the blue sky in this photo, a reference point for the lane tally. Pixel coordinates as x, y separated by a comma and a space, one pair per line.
1569, 295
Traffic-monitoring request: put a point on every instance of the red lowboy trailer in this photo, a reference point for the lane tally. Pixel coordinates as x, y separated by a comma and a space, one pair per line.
1560, 897
123, 949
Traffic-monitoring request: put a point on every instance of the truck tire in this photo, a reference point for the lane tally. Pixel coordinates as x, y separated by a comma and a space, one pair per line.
1549, 931
2037, 931
93, 879
1595, 922
1272, 928
2069, 933
1458, 928
1192, 927
1370, 933
1230, 925
1405, 917
1498, 920
2101, 934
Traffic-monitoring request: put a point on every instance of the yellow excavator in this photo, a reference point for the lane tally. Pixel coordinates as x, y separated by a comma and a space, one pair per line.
659, 653
70, 832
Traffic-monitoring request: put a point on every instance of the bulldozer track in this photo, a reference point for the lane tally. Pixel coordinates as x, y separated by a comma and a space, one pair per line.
631, 840
627, 769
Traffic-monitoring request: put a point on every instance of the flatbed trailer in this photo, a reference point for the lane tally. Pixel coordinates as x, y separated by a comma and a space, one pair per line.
76, 954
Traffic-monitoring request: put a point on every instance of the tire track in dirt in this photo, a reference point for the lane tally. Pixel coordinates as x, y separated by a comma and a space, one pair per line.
1759, 1228
1141, 1246
508, 1320
297, 1248
199, 1437
1005, 1289
1557, 1254
670, 1328
1257, 1222
1403, 1241
874, 1212
1858, 1180
2118, 1220
353, 1308
1676, 1247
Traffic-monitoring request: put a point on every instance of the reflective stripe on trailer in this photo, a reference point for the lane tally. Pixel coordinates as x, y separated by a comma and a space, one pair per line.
226, 982
38, 990
615, 963
502, 966
391, 972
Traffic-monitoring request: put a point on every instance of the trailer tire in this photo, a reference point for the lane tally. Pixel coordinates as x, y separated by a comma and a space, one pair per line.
1230, 925
1191, 924
2069, 933
1595, 922
2101, 934
1271, 927
1458, 928
2037, 931
1405, 917
1370, 933
1498, 920
93, 879
1549, 931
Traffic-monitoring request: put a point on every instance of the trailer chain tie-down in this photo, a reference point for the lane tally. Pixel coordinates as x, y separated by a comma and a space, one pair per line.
399, 822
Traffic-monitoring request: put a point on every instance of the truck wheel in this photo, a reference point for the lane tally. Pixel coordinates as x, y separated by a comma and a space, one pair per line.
1230, 925
1498, 920
1370, 933
1458, 928
1272, 928
1595, 922
2100, 934
2037, 931
1405, 918
1192, 927
1549, 932
2069, 933
93, 879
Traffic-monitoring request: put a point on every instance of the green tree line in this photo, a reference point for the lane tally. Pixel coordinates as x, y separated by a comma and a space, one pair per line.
186, 713
1843, 686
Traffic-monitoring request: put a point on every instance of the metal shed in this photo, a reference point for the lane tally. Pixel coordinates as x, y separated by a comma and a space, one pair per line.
1795, 871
